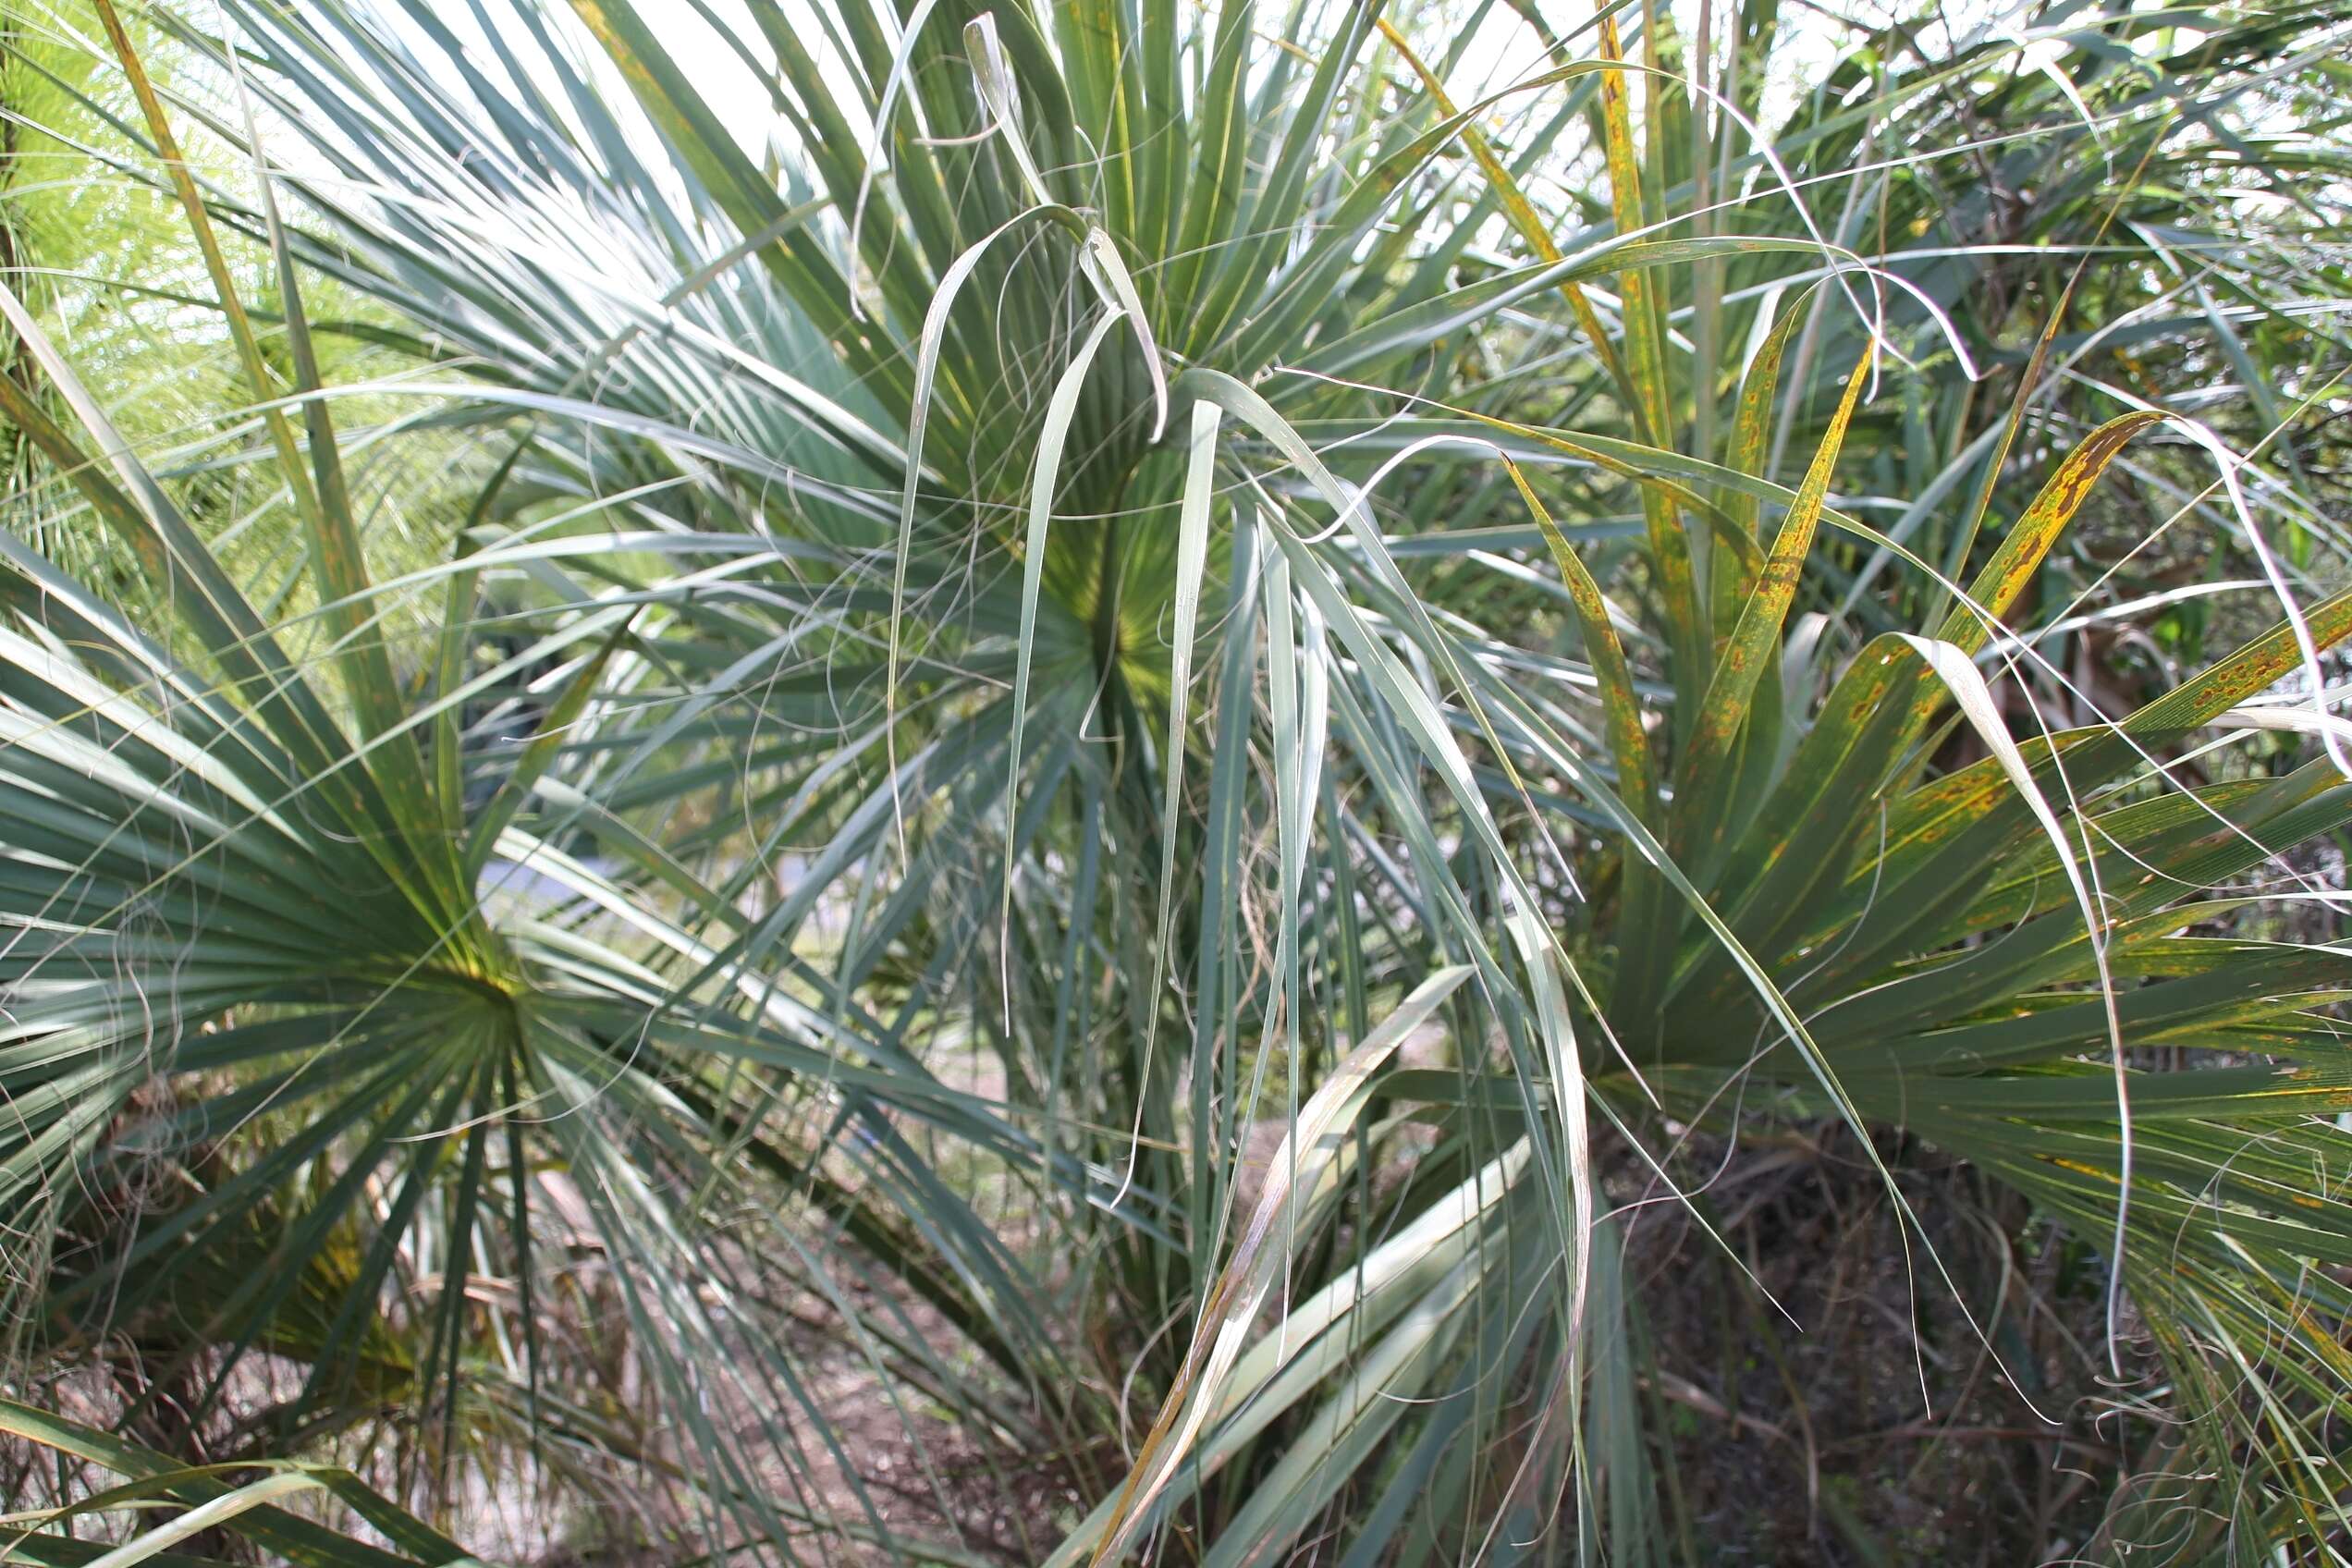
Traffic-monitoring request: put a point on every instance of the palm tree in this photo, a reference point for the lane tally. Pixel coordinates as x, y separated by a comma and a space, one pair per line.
1124, 724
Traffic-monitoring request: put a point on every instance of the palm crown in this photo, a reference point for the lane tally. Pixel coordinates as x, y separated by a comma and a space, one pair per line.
1144, 575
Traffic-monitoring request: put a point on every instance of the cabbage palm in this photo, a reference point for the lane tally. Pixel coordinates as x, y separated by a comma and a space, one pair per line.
1123, 582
